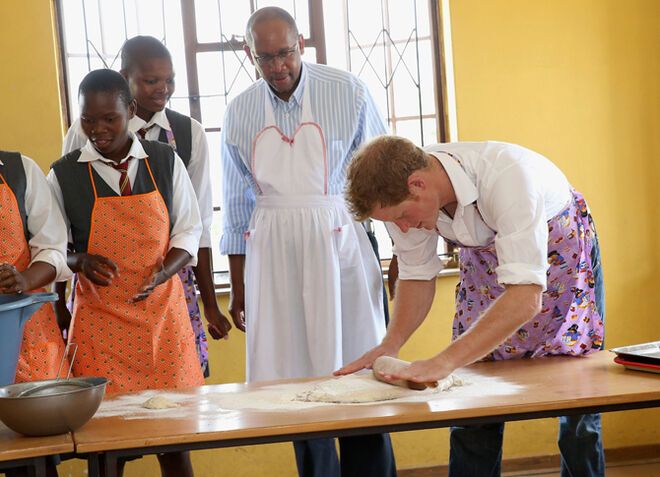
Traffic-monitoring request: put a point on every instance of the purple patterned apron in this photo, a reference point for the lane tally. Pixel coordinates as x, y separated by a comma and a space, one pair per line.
569, 322
188, 280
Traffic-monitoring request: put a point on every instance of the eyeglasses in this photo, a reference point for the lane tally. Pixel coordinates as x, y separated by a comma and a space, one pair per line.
269, 60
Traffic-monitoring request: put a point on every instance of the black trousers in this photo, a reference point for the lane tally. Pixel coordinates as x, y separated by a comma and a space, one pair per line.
361, 456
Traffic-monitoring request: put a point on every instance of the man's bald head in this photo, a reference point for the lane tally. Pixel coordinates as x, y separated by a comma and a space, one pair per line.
266, 14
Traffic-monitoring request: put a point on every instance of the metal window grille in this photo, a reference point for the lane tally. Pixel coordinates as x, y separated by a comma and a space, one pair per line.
397, 53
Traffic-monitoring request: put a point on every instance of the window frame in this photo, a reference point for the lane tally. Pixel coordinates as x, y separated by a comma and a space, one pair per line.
316, 40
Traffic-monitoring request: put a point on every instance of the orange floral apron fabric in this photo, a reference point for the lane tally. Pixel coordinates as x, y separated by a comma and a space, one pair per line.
42, 346
143, 345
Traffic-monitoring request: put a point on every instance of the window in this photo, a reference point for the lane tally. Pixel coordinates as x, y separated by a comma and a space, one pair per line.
397, 53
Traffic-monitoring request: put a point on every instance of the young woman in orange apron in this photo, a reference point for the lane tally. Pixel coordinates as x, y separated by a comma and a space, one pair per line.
157, 355
147, 65
29, 230
134, 330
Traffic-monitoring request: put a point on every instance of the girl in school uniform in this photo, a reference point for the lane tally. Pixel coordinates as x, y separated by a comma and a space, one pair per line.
134, 222
147, 66
32, 254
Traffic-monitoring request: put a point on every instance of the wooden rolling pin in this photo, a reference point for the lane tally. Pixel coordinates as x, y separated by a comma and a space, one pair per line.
390, 365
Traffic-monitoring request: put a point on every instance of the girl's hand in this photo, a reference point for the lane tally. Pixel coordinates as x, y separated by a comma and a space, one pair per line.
218, 324
63, 316
11, 280
98, 269
237, 308
158, 275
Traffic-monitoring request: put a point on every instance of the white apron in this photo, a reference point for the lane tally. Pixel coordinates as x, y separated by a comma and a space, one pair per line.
313, 292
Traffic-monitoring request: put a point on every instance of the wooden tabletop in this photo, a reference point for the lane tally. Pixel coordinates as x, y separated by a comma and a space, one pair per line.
14, 446
547, 387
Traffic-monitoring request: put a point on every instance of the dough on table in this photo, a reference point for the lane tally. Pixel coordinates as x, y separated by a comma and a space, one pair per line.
159, 402
362, 388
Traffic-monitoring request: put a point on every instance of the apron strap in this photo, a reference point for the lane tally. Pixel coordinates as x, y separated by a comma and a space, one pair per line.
169, 135
476, 207
91, 176
306, 116
151, 174
269, 115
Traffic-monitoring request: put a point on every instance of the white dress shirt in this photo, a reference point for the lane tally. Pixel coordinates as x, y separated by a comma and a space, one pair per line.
45, 224
186, 226
198, 167
505, 194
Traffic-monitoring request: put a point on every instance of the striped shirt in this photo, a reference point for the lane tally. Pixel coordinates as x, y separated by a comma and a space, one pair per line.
341, 104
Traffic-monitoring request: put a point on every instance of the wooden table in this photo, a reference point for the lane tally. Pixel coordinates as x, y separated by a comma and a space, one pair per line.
17, 450
552, 387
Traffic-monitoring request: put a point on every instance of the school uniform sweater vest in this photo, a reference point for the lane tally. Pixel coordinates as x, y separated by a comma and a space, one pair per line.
182, 131
78, 193
14, 173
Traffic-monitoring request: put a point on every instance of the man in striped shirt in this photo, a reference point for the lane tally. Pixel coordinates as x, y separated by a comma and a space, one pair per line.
304, 278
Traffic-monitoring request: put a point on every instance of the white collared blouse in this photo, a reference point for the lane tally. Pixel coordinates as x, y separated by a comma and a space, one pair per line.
198, 168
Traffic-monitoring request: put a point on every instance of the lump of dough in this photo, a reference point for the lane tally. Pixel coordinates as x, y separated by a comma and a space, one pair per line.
364, 388
159, 402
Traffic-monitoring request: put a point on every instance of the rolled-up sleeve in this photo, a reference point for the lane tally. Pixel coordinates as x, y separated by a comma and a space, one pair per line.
416, 251
186, 221
521, 241
238, 198
48, 232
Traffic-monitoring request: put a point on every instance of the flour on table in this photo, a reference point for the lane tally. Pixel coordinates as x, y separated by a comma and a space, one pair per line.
364, 388
159, 402
211, 405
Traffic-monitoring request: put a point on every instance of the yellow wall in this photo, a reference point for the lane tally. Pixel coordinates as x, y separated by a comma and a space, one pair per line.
30, 116
578, 82
575, 80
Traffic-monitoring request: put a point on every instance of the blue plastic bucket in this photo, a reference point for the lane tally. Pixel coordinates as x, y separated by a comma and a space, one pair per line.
14, 312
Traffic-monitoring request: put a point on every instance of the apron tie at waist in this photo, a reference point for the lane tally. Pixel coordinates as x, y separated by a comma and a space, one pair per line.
299, 201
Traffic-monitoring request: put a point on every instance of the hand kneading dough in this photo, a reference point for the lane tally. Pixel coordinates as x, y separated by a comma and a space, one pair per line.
159, 402
389, 365
361, 388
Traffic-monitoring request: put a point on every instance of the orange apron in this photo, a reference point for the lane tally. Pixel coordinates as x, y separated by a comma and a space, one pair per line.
143, 345
42, 347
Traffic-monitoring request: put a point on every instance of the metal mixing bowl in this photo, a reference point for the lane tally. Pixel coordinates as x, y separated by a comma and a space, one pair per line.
50, 407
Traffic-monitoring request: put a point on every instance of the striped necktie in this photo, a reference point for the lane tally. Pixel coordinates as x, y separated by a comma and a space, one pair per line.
124, 183
142, 132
